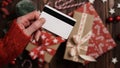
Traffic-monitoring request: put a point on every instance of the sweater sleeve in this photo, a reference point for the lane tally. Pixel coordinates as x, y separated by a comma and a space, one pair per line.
12, 44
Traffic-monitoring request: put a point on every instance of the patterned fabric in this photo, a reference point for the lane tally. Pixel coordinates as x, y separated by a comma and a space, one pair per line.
101, 40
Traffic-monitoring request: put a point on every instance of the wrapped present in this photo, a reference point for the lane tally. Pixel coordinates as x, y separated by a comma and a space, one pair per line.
45, 50
99, 42
78, 41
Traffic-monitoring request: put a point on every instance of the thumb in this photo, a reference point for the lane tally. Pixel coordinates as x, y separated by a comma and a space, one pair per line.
34, 26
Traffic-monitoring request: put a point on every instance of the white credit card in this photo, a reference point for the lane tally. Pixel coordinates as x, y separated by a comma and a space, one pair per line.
57, 22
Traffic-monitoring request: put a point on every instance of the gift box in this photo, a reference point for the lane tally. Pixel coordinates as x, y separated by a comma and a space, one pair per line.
99, 42
46, 49
78, 40
47, 56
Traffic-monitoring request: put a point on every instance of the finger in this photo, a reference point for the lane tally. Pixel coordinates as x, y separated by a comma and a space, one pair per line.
33, 15
25, 20
37, 35
22, 22
34, 26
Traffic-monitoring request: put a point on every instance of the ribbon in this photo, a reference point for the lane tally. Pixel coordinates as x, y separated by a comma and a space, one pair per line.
47, 39
61, 4
79, 40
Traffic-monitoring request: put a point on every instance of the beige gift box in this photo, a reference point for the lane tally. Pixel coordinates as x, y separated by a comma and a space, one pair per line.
82, 48
47, 57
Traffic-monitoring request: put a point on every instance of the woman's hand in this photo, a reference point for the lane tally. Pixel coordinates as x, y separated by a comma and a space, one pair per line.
30, 22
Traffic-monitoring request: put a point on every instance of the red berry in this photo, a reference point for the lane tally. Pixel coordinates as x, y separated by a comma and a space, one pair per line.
13, 62
110, 19
118, 18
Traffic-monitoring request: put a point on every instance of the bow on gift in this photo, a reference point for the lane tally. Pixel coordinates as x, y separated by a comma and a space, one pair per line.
79, 40
47, 39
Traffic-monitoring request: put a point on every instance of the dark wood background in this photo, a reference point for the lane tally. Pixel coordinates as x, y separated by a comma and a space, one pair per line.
104, 61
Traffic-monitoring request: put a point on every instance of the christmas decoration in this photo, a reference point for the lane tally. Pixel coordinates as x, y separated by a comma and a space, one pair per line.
104, 1
118, 5
112, 11
45, 48
117, 18
110, 20
25, 6
91, 1
114, 60
48, 40
13, 61
66, 4
4, 9
80, 35
114, 19
101, 40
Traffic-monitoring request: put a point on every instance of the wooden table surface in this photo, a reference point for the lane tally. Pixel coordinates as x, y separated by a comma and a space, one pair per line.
104, 61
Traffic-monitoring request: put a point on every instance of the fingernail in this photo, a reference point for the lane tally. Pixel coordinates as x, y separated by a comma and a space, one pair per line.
42, 20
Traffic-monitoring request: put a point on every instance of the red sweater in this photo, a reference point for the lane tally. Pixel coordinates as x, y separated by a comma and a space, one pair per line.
12, 44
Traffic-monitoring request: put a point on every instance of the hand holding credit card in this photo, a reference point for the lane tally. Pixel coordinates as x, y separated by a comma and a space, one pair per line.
57, 22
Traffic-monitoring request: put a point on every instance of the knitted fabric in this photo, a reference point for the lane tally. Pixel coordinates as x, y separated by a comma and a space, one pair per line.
12, 44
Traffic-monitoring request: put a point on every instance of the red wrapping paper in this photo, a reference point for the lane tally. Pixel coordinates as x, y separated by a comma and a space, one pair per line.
46, 48
99, 43
101, 40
